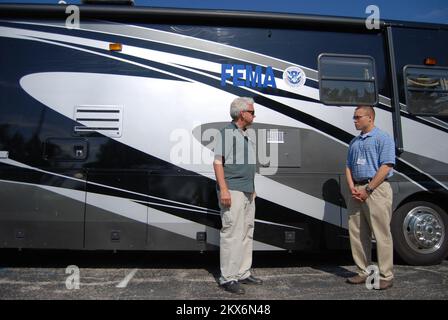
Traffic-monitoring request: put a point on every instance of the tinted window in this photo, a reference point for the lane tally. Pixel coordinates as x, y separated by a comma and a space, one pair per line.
426, 90
347, 80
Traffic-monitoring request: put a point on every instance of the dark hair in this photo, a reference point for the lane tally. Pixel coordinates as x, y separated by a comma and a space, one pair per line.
369, 110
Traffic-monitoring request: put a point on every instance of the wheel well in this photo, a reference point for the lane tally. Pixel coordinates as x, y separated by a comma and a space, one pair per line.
437, 198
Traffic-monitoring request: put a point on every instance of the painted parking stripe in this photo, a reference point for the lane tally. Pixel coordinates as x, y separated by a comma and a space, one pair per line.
128, 278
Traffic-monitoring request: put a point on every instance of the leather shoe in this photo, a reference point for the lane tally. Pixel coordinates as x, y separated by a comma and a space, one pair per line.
233, 287
385, 284
358, 279
251, 280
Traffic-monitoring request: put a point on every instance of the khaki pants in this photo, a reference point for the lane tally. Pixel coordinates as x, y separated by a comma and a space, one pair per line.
372, 216
236, 242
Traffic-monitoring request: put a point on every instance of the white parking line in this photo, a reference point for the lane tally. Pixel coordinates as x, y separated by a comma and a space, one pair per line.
128, 278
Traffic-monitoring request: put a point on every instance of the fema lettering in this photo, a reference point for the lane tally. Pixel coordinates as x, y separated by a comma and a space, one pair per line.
246, 76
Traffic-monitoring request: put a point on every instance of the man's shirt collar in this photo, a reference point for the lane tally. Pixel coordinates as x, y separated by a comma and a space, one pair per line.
369, 134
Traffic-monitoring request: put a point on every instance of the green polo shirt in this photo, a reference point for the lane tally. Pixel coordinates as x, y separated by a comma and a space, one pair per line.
238, 153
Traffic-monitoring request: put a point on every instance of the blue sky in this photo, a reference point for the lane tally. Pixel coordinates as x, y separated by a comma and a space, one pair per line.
435, 11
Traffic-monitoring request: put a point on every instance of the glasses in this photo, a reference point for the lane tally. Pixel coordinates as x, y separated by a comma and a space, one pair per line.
359, 117
252, 112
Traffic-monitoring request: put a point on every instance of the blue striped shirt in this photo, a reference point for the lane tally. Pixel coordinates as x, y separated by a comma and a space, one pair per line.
368, 152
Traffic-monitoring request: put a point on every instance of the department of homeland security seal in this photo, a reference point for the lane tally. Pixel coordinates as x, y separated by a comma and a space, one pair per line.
294, 77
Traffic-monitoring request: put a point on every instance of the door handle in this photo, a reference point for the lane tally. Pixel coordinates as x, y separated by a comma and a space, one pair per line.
79, 152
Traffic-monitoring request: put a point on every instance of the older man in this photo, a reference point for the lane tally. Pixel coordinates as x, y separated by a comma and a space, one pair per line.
234, 167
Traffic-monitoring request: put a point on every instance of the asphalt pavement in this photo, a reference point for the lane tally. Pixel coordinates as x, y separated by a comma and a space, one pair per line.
68, 275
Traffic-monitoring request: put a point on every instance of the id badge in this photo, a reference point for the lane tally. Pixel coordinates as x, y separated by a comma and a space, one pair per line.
361, 162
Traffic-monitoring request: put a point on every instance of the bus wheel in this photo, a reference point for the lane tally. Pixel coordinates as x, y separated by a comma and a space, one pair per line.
419, 230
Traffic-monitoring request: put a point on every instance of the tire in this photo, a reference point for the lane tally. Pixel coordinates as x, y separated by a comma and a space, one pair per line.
419, 230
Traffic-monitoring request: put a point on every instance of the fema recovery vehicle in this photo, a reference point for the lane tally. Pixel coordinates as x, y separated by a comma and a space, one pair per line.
92, 115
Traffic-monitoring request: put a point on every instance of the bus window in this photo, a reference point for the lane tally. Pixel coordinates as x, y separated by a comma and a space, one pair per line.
426, 90
347, 79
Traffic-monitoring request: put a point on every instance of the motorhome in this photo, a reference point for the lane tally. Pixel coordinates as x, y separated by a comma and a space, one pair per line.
105, 113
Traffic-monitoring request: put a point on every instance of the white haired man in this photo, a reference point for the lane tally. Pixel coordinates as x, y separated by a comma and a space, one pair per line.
235, 167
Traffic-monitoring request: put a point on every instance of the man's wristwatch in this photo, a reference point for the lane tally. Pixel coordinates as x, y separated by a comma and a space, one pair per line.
369, 190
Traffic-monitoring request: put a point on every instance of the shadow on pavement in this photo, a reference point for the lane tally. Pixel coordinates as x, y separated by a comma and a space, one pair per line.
330, 262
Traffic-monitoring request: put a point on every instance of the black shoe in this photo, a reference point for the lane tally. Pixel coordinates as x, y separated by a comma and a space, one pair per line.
233, 287
251, 280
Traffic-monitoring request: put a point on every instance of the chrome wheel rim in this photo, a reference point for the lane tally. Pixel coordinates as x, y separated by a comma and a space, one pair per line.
424, 230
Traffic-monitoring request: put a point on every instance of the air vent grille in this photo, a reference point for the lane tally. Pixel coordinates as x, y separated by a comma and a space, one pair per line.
106, 120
